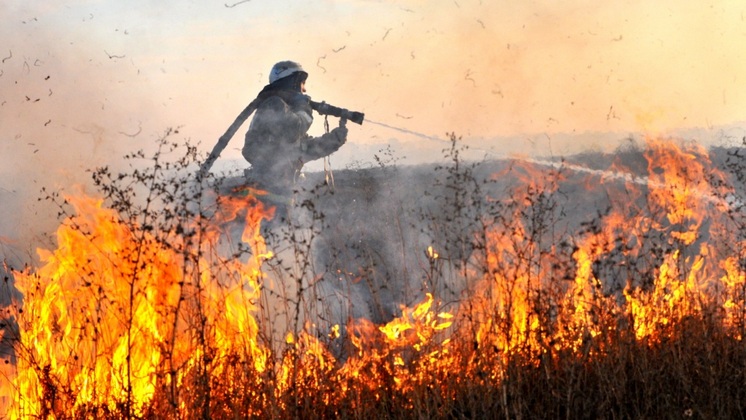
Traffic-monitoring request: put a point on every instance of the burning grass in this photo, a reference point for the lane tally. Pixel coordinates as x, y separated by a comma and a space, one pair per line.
515, 300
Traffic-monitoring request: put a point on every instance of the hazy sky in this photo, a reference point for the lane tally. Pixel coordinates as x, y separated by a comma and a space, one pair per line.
84, 81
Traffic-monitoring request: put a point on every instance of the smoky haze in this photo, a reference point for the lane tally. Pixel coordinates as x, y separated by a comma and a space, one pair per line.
84, 82
390, 234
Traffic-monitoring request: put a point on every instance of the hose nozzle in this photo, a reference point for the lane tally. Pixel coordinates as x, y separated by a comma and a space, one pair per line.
324, 108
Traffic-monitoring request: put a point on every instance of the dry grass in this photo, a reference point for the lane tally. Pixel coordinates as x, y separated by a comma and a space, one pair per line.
533, 314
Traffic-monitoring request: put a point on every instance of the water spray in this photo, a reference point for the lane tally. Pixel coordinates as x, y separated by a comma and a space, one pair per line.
406, 131
324, 108
730, 201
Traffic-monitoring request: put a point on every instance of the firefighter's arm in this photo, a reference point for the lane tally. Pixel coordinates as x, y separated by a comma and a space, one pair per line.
317, 147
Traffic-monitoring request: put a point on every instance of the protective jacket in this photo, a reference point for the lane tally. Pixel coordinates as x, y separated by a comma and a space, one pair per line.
277, 145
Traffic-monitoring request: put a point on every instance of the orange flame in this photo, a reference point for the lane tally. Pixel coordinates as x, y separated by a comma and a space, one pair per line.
103, 318
121, 318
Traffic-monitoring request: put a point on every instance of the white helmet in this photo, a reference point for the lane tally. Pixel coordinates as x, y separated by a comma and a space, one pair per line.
284, 69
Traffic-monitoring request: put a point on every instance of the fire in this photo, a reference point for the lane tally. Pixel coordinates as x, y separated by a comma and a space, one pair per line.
125, 319
403, 351
103, 320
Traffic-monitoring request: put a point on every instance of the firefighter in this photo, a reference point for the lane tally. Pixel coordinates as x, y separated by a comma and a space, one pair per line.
277, 144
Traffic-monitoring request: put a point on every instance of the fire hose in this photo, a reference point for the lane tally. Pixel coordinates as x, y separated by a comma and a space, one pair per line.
321, 107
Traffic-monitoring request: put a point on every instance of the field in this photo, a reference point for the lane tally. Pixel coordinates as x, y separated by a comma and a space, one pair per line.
594, 286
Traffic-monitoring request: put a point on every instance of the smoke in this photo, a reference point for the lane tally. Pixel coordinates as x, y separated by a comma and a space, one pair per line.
85, 83
64, 110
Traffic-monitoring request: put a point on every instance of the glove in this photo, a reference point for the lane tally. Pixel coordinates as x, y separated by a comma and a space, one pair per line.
341, 132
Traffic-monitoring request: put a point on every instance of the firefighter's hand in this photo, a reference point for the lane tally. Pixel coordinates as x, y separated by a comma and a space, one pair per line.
341, 132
